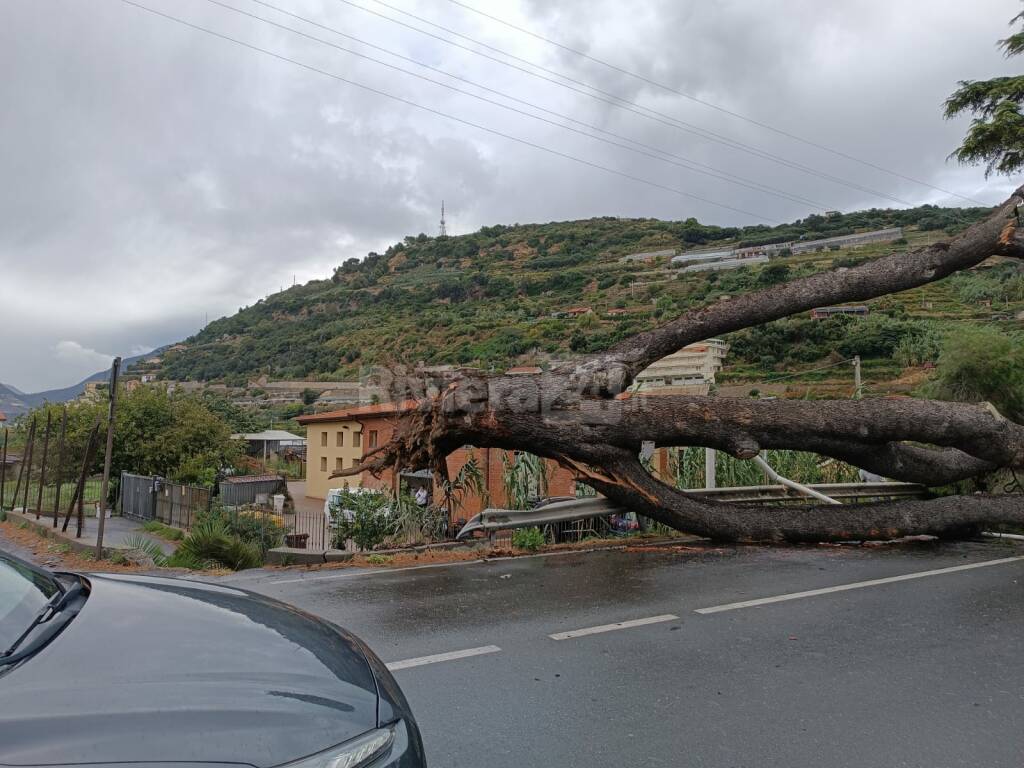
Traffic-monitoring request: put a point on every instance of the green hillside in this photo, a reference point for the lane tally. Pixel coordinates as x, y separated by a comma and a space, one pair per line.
487, 299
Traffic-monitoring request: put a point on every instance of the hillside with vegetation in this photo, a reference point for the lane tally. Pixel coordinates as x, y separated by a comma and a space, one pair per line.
489, 299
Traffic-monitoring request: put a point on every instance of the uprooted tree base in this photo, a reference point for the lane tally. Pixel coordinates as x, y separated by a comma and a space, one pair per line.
573, 415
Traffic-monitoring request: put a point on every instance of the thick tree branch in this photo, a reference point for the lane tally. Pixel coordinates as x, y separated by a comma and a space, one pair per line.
948, 517
572, 415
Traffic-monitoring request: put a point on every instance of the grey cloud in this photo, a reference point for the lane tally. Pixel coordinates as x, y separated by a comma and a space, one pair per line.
153, 176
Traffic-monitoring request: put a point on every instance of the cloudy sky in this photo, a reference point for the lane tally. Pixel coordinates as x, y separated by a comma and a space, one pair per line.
153, 176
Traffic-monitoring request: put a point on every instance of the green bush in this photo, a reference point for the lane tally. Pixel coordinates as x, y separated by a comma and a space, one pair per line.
264, 531
982, 364
530, 539
210, 544
253, 526
371, 520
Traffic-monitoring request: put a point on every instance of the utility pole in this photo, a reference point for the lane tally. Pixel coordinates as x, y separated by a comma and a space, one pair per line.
710, 454
115, 369
857, 390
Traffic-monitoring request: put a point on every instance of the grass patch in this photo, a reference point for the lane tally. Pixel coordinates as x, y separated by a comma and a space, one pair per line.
163, 531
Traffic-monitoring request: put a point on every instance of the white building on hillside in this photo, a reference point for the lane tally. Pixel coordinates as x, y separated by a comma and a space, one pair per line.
689, 371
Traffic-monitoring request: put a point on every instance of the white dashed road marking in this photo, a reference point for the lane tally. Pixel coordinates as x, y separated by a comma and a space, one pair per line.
612, 627
855, 585
419, 661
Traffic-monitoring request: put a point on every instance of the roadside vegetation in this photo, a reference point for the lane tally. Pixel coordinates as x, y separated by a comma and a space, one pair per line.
173, 435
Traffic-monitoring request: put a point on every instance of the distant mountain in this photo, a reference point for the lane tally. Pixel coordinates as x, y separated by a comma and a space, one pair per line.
14, 402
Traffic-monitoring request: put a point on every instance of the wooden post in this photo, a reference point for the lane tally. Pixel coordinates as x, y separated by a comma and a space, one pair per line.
60, 465
90, 452
105, 485
42, 466
28, 465
3, 471
17, 485
857, 387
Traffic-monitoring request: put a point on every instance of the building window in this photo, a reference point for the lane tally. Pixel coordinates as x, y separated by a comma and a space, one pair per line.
323, 439
339, 463
357, 439
341, 439
373, 438
323, 463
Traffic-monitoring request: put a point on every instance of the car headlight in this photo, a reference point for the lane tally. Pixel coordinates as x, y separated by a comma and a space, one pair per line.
354, 753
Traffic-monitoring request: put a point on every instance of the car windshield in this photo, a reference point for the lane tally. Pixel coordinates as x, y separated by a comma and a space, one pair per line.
23, 593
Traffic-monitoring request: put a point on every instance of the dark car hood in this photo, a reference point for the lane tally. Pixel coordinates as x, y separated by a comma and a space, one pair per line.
170, 670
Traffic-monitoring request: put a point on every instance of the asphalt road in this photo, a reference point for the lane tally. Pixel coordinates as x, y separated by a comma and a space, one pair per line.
924, 671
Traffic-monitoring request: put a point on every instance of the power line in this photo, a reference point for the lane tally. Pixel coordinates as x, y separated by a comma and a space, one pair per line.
445, 115
686, 162
616, 101
703, 102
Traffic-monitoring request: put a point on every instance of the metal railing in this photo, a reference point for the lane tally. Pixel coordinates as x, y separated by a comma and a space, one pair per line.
314, 530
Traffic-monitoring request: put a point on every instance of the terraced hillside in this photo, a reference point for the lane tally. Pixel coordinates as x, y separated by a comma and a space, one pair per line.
490, 299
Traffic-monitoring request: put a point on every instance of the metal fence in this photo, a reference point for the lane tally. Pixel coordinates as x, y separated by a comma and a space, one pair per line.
67, 491
138, 496
312, 530
177, 505
145, 497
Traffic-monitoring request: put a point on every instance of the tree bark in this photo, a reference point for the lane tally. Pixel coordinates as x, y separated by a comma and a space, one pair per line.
578, 415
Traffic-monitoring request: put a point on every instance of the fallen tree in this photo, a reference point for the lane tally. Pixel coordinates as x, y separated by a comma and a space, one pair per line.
577, 415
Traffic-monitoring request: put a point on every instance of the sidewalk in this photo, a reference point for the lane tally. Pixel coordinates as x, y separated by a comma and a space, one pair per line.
115, 531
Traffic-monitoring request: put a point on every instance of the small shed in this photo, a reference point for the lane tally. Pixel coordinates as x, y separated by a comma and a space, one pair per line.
252, 489
271, 441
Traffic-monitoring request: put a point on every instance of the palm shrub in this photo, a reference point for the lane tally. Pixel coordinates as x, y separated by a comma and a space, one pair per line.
210, 544
141, 544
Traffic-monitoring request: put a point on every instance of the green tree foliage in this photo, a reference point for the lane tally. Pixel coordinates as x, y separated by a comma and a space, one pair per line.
996, 135
174, 436
982, 364
177, 436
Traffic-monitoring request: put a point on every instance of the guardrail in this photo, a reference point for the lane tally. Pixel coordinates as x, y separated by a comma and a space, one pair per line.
581, 509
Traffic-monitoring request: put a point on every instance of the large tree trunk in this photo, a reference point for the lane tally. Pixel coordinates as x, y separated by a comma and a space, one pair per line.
578, 416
